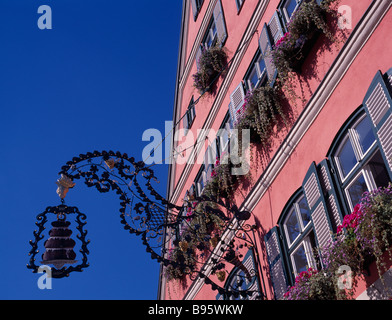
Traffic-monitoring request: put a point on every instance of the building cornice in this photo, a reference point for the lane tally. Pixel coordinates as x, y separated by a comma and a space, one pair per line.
192, 55
171, 171
183, 70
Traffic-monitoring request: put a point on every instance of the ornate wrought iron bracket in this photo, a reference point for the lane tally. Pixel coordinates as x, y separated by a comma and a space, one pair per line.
145, 213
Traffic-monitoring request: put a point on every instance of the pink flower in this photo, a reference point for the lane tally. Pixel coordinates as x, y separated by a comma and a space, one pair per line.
351, 221
283, 39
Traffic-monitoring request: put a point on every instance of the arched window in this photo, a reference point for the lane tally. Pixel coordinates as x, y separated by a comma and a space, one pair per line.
238, 281
358, 159
299, 239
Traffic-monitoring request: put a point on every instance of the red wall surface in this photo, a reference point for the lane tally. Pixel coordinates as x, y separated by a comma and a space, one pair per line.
347, 96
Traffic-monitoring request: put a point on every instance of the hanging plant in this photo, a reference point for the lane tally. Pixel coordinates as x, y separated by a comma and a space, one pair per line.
203, 224
365, 234
222, 182
211, 63
185, 263
262, 111
306, 24
200, 235
364, 237
312, 285
374, 230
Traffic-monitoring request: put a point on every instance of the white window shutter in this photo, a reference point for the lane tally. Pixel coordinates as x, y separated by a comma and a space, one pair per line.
209, 161
232, 112
330, 195
275, 27
220, 23
197, 58
265, 45
317, 205
249, 264
195, 11
378, 102
277, 270
185, 122
237, 99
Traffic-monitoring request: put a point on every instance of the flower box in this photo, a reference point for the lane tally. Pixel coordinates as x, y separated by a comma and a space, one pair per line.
262, 110
306, 24
299, 54
363, 242
211, 63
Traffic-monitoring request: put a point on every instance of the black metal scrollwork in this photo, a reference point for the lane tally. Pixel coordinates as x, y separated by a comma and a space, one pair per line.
144, 212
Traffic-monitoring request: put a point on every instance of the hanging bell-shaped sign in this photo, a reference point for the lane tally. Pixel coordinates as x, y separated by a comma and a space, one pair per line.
59, 246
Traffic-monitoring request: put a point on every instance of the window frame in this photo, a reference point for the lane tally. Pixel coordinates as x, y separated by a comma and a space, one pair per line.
307, 245
369, 181
255, 67
283, 10
363, 158
227, 125
197, 4
294, 207
360, 156
200, 181
345, 182
212, 32
239, 4
289, 248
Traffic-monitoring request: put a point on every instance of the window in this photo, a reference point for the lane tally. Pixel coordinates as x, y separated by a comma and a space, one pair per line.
189, 117
297, 220
216, 32
215, 149
299, 236
196, 6
241, 279
210, 37
288, 8
191, 112
302, 257
224, 136
200, 181
256, 73
239, 4
359, 161
183, 212
269, 35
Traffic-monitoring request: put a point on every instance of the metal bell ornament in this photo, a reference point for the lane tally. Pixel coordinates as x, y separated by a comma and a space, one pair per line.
59, 251
59, 246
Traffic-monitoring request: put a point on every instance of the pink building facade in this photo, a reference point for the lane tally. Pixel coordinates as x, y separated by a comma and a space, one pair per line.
335, 143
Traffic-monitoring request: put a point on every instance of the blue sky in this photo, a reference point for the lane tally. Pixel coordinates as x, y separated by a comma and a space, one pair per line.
104, 74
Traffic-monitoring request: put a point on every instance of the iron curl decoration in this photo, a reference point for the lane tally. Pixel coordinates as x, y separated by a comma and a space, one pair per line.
146, 213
